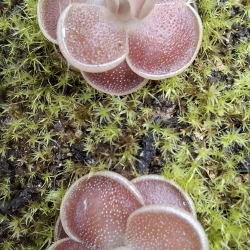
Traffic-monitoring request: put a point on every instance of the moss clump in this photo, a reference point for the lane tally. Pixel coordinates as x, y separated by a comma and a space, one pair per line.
55, 128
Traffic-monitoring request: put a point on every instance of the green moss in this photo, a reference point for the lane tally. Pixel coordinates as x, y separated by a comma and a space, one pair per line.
54, 128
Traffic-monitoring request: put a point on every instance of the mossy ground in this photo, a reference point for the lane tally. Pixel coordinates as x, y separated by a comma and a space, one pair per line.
193, 128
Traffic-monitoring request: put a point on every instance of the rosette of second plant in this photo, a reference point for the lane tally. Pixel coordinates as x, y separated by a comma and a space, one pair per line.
119, 45
105, 211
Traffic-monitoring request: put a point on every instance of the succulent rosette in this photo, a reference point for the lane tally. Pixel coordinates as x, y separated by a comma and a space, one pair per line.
118, 45
105, 211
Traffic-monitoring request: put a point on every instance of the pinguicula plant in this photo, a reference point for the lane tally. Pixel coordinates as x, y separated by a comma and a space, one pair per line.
119, 45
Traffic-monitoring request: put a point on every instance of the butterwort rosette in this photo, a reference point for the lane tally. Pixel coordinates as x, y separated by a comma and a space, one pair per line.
119, 45
105, 211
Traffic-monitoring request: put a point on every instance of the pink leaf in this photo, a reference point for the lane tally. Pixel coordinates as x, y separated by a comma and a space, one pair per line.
95, 209
156, 189
119, 81
166, 41
89, 40
163, 227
